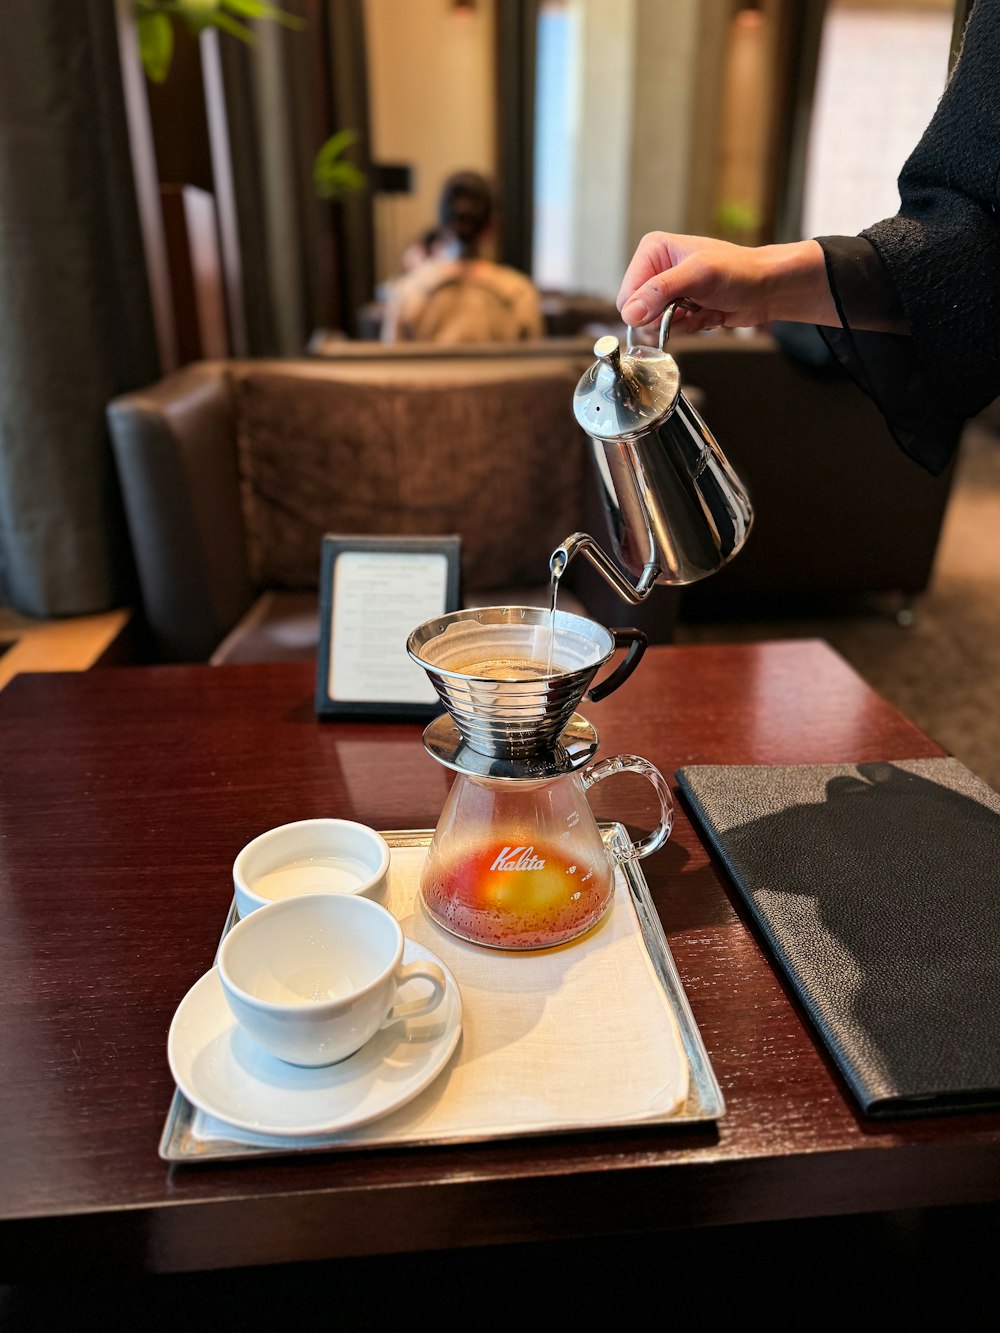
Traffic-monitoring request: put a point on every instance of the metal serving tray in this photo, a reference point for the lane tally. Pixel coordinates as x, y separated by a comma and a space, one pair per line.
181, 1140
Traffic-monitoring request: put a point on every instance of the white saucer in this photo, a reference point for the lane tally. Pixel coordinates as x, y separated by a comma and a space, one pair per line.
220, 1070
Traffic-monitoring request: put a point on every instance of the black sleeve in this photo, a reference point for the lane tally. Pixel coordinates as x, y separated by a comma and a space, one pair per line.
886, 366
940, 257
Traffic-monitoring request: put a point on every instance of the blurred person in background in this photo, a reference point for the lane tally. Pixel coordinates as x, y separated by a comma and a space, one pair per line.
428, 245
455, 295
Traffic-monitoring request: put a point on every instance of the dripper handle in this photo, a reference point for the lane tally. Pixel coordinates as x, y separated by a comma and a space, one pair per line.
636, 643
632, 763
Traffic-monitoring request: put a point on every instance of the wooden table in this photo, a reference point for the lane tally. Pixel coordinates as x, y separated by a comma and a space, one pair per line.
126, 793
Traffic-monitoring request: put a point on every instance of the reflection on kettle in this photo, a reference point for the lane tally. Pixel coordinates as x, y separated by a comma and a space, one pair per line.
676, 510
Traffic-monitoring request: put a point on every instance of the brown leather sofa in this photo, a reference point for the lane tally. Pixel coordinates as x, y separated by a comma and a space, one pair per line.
841, 512
231, 473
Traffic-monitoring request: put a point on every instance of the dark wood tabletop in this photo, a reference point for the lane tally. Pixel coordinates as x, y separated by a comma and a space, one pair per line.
126, 793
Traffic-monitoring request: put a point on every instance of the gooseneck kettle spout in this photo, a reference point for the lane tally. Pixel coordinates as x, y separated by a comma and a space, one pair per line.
676, 510
582, 543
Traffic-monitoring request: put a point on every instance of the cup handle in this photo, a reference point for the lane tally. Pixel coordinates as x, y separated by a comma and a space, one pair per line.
631, 763
636, 642
414, 1008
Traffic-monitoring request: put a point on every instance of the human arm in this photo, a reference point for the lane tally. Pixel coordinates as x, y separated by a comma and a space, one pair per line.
739, 286
941, 255
840, 283
931, 272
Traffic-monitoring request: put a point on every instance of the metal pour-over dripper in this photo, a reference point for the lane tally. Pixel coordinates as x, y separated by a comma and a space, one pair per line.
509, 681
517, 860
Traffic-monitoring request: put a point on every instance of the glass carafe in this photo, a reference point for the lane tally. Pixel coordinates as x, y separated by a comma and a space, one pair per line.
520, 863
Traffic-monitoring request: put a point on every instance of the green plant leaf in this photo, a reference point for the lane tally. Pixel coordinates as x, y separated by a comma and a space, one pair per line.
202, 14
737, 216
261, 9
154, 24
227, 23
156, 44
336, 144
196, 13
340, 181
333, 177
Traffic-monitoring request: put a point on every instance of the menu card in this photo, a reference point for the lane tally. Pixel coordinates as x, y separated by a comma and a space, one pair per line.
875, 887
379, 596
373, 592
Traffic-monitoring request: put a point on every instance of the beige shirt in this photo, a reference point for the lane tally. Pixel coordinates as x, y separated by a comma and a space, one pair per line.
463, 301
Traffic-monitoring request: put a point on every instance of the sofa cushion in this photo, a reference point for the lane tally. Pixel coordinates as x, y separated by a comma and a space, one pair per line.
494, 457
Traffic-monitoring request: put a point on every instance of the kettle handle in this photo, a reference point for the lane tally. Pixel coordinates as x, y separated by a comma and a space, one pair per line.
636, 642
665, 322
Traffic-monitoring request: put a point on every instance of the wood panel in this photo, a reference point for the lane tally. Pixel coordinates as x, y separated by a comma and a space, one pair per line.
72, 644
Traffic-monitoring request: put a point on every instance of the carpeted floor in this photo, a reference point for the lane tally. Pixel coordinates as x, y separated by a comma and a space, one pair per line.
943, 671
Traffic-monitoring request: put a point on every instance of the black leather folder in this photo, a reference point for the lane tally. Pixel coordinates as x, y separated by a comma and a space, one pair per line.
877, 890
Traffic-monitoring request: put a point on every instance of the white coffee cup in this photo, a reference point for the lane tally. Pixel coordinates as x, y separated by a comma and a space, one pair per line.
312, 979
310, 856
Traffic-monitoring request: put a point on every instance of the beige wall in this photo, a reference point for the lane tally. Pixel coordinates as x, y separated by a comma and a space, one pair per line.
744, 152
603, 79
433, 101
638, 107
664, 101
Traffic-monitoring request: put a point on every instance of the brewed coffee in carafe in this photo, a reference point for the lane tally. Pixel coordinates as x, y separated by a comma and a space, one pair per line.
517, 864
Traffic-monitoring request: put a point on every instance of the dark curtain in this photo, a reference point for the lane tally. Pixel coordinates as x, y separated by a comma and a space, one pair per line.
75, 320
516, 27
352, 281
305, 262
235, 131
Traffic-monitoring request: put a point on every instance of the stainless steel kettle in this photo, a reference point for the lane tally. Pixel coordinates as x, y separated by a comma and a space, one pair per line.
677, 511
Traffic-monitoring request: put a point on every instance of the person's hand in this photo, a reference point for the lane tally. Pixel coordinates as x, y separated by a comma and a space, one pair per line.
726, 281
735, 286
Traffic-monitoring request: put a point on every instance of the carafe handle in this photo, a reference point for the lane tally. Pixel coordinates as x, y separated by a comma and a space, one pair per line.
631, 763
636, 643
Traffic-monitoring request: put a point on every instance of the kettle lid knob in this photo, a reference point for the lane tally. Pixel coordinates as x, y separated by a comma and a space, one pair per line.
608, 349
625, 394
